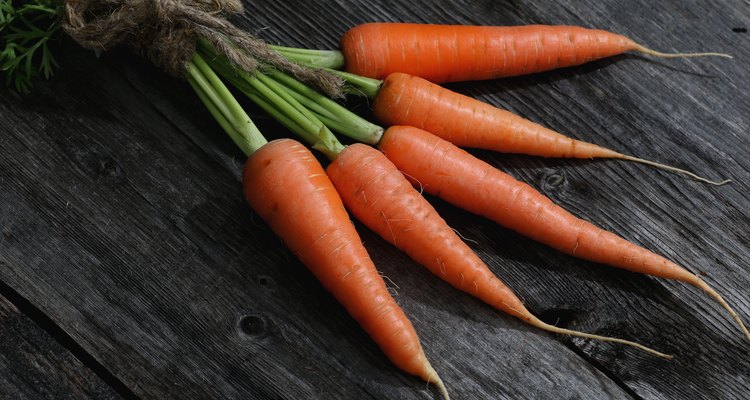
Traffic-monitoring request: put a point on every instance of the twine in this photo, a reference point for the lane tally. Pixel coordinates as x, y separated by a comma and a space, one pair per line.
166, 32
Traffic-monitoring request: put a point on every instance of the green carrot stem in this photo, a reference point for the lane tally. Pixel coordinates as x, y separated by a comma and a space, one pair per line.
309, 127
279, 116
357, 85
320, 113
306, 117
195, 74
331, 122
316, 133
224, 107
332, 59
272, 94
237, 114
351, 124
213, 109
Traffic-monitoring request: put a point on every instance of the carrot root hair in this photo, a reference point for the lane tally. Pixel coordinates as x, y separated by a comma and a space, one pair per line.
551, 328
700, 283
654, 53
673, 169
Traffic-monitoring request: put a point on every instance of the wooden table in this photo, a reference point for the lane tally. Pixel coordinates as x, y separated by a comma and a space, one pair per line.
131, 266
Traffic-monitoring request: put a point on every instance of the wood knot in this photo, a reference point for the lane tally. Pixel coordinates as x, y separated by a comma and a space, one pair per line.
553, 182
265, 281
253, 325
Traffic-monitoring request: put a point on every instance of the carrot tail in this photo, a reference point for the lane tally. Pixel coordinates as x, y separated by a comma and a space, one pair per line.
435, 378
700, 283
409, 100
646, 50
551, 328
672, 169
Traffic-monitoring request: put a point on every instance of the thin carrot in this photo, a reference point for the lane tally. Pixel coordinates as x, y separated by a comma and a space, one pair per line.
450, 53
405, 99
288, 188
457, 177
379, 195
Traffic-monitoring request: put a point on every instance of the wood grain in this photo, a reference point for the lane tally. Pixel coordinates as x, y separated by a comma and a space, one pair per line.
122, 219
33, 365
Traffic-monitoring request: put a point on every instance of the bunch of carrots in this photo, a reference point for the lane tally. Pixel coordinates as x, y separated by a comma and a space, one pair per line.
400, 67
285, 184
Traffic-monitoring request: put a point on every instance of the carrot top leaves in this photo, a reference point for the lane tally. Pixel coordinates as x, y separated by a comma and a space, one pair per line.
25, 32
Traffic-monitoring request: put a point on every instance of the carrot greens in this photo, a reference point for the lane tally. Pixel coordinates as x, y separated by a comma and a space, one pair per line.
332, 59
25, 32
223, 106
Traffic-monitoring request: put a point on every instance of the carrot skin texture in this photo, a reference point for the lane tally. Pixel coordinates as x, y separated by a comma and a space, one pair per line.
287, 187
378, 194
406, 99
459, 178
452, 53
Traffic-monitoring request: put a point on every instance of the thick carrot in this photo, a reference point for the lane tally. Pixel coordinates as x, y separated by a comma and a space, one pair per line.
457, 177
288, 188
405, 99
450, 53
379, 195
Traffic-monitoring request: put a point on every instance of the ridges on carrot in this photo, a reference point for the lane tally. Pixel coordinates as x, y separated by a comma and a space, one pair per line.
288, 188
379, 195
451, 53
405, 99
459, 178
308, 97
316, 228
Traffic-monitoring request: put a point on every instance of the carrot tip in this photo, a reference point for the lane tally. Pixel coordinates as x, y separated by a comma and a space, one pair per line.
674, 169
551, 328
433, 377
700, 283
654, 53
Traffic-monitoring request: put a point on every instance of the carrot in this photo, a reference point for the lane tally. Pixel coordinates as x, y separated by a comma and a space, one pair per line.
457, 177
361, 173
554, 231
287, 187
464, 121
450, 53
404, 99
376, 192
546, 222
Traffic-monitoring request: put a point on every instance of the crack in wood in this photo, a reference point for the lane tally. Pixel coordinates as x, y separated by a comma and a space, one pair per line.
45, 323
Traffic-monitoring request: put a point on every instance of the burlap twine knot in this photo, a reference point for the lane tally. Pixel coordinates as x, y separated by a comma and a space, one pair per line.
166, 31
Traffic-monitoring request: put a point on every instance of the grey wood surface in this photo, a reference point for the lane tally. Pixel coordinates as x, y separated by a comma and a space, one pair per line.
123, 221
34, 365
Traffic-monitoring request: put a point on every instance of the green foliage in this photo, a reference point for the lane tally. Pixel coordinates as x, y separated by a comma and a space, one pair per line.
26, 28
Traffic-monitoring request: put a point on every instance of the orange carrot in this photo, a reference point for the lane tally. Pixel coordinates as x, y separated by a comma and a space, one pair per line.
451, 53
376, 192
288, 188
452, 174
464, 121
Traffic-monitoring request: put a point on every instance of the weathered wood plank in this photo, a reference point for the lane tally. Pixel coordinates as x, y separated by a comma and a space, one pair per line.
126, 225
33, 365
